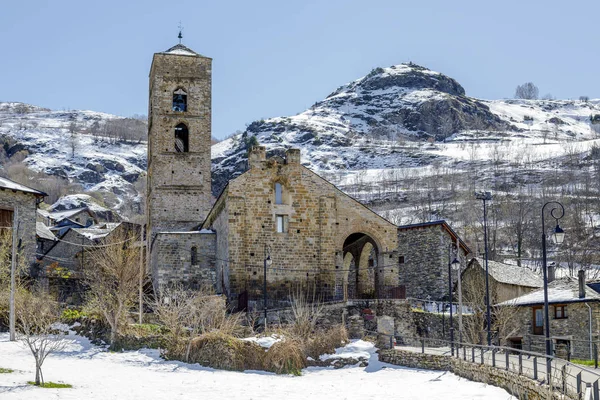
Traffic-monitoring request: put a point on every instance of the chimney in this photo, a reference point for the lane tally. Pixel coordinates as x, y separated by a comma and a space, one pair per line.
292, 156
256, 156
581, 278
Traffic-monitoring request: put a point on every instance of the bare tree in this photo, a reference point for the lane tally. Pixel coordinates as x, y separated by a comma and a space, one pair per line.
584, 99
113, 278
527, 91
36, 314
73, 137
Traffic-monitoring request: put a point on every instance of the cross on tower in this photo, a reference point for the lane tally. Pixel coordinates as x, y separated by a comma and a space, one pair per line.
180, 36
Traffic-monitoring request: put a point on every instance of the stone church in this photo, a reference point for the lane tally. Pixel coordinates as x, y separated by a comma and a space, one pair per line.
277, 220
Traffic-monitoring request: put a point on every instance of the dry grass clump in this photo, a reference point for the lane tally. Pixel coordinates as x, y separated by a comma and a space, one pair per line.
223, 351
285, 357
325, 341
218, 350
254, 355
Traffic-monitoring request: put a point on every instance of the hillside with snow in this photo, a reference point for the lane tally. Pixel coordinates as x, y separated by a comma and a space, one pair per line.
404, 117
392, 117
82, 147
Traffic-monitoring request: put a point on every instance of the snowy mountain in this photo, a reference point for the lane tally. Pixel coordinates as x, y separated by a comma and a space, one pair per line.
386, 119
398, 117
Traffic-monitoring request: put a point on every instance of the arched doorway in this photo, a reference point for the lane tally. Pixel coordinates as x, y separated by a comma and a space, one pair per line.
361, 255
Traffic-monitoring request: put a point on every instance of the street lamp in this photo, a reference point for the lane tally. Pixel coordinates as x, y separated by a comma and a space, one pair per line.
486, 196
558, 236
452, 265
267, 263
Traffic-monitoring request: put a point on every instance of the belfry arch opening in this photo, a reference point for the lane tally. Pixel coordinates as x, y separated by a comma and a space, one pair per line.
181, 138
360, 272
179, 100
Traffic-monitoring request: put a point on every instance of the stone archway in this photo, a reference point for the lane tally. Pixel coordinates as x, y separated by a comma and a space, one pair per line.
360, 255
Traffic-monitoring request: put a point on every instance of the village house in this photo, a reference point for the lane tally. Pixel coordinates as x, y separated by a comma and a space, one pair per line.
425, 251
20, 200
60, 268
574, 311
506, 281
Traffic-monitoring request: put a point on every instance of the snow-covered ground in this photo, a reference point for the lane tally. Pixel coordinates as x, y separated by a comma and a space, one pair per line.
98, 374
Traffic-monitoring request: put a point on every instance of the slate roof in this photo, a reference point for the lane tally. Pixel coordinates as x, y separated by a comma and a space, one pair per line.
97, 231
560, 291
61, 215
511, 274
43, 231
7, 184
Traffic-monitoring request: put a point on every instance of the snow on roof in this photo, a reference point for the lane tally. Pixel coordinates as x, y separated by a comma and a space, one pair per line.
97, 231
6, 183
181, 50
80, 200
43, 231
60, 215
511, 274
564, 290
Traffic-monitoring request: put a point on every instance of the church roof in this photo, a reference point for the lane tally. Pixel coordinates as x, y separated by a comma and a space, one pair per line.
181, 50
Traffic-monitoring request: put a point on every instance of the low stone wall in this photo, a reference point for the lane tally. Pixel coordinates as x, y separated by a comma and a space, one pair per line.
517, 385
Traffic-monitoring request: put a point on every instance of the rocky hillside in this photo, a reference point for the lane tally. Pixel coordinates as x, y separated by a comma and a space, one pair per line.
367, 123
396, 117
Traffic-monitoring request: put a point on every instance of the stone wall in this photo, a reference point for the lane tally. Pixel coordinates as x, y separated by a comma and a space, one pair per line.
426, 256
172, 259
517, 385
319, 219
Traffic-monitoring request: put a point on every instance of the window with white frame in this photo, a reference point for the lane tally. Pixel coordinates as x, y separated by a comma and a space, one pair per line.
281, 223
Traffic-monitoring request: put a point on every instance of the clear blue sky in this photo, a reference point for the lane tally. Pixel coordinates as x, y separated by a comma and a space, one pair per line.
273, 58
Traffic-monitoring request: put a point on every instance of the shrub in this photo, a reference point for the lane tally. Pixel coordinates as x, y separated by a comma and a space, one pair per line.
218, 350
70, 315
285, 357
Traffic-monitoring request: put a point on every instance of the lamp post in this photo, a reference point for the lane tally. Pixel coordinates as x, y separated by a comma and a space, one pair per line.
267, 263
454, 264
558, 235
486, 196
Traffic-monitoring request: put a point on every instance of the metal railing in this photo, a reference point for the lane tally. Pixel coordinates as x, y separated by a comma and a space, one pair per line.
561, 375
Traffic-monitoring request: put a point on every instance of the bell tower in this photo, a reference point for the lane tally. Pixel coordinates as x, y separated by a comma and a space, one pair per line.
178, 195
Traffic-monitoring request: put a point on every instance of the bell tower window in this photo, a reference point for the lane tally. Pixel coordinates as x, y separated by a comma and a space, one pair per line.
181, 139
179, 100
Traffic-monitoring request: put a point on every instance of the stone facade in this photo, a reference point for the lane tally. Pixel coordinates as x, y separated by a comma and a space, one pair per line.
184, 257
573, 330
317, 220
424, 251
26, 203
179, 140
